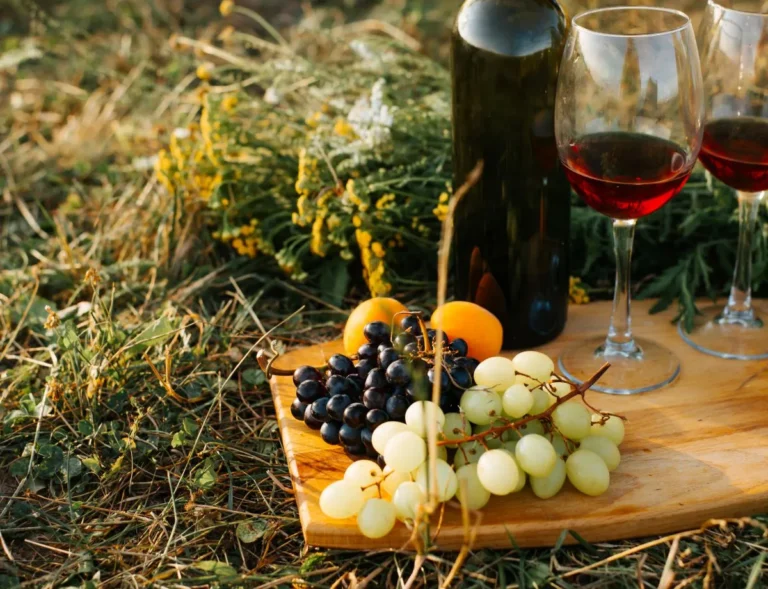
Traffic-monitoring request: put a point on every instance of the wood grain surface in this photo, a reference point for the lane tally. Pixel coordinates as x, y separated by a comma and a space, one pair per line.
694, 450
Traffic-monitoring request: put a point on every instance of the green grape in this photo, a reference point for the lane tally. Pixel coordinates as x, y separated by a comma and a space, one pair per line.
532, 427
536, 367
497, 374
497, 472
456, 427
587, 472
341, 499
550, 485
559, 388
385, 432
613, 428
405, 451
559, 444
446, 480
480, 406
376, 519
406, 499
491, 441
364, 473
542, 401
417, 417
476, 495
604, 448
535, 455
392, 480
517, 400
468, 453
572, 420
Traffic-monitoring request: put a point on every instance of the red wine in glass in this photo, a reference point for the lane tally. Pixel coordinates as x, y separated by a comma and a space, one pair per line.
625, 175
736, 152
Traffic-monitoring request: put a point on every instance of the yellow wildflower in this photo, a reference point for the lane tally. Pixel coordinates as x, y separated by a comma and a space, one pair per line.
357, 221
226, 7
377, 249
440, 211
443, 197
203, 73
176, 152
229, 103
225, 202
314, 119
162, 167
385, 201
363, 238
354, 198
205, 131
576, 291
317, 245
333, 222
307, 174
344, 129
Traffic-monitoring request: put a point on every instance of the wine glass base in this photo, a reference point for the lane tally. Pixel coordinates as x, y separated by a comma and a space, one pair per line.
651, 367
738, 339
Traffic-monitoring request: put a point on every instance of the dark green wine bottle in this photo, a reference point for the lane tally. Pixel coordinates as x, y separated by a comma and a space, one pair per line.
511, 228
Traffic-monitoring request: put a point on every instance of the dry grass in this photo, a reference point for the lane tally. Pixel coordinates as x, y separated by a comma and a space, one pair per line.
139, 445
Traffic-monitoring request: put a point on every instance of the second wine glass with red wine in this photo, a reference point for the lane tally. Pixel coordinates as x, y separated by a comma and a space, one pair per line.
628, 124
733, 39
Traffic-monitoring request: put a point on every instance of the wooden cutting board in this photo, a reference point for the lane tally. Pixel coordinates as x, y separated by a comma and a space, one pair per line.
695, 450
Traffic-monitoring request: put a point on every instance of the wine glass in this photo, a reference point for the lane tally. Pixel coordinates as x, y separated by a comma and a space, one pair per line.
733, 38
628, 124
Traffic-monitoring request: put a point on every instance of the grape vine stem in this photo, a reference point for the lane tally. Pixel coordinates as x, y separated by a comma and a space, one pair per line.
576, 391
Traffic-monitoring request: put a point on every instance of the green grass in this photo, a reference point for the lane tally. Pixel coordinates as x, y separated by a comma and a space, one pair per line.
109, 473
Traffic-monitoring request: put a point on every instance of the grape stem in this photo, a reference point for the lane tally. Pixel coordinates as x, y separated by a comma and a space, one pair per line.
576, 391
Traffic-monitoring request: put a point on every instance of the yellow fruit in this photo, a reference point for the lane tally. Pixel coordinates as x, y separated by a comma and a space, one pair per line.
377, 309
472, 323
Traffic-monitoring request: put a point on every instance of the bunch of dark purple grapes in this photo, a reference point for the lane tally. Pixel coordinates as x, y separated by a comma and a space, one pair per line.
348, 402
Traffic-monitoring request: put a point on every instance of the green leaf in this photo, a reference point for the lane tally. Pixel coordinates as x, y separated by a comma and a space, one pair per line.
19, 467
311, 562
221, 569
205, 476
8, 581
85, 427
91, 463
334, 280
178, 439
52, 460
71, 468
157, 333
251, 530
189, 426
68, 339
254, 377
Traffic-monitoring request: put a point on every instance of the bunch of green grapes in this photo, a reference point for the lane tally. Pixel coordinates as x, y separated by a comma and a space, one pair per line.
511, 429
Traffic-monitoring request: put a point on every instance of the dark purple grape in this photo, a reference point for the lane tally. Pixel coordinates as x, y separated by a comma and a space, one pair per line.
403, 340
375, 417
410, 324
446, 341
354, 415
448, 403
468, 363
349, 435
355, 450
381, 462
459, 346
431, 333
376, 332
355, 386
385, 346
298, 408
461, 378
386, 357
367, 352
445, 381
411, 349
310, 390
376, 378
417, 391
340, 364
336, 406
320, 409
396, 407
366, 438
375, 398
336, 385
399, 390
311, 421
304, 373
371, 452
420, 341
398, 373
364, 367
330, 432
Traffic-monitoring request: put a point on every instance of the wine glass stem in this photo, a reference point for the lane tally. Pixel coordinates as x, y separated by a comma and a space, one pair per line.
739, 307
619, 340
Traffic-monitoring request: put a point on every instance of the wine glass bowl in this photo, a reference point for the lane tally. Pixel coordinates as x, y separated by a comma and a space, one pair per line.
733, 40
628, 126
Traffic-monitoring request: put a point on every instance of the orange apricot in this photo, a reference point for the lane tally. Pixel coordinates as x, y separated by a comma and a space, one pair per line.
475, 325
376, 309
